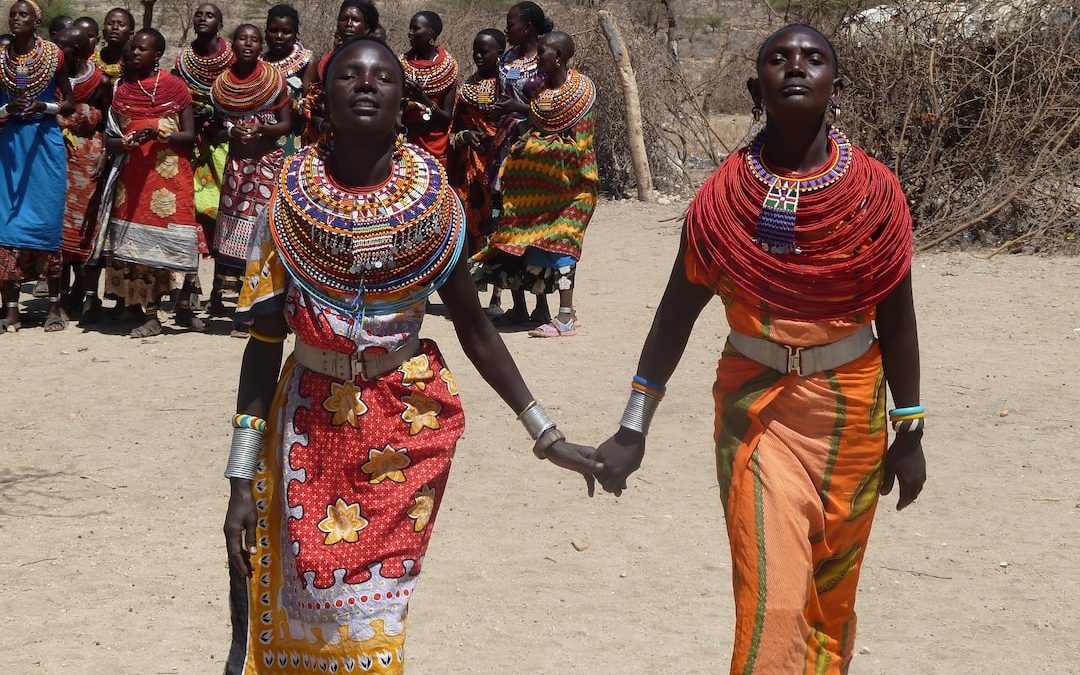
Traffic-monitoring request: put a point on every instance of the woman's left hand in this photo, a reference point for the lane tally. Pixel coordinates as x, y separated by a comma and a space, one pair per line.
580, 458
904, 462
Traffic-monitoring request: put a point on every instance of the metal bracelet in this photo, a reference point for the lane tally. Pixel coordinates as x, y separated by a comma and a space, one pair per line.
536, 420
244, 454
639, 412
546, 440
52, 108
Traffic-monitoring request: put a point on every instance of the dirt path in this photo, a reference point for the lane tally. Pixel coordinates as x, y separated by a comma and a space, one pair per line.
111, 495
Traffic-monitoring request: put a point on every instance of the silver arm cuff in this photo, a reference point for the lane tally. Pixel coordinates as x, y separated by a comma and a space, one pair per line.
536, 420
244, 454
639, 412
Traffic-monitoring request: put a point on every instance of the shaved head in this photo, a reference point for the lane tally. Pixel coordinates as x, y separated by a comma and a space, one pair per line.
560, 42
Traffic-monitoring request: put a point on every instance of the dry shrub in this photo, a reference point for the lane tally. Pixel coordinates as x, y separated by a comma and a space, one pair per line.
975, 109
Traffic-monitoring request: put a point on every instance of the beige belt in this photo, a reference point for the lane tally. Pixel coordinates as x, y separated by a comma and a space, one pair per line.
803, 360
367, 365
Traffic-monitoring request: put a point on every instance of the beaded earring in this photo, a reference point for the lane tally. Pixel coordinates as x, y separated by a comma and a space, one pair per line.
756, 111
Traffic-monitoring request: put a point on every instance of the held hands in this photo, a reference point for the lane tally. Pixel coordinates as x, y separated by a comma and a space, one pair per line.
621, 456
580, 458
904, 462
611, 463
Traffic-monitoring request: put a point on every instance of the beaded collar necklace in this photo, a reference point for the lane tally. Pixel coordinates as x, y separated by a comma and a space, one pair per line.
521, 67
87, 72
111, 70
776, 224
85, 83
30, 72
239, 98
292, 64
436, 76
378, 249
480, 93
558, 109
200, 71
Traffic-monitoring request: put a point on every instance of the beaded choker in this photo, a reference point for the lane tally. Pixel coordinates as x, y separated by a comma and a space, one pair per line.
435, 76
378, 249
558, 109
481, 93
85, 84
292, 64
200, 71
240, 98
776, 224
111, 70
32, 72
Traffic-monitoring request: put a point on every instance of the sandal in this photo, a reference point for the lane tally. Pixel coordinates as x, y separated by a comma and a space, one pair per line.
556, 328
10, 326
240, 332
151, 328
493, 311
185, 316
55, 323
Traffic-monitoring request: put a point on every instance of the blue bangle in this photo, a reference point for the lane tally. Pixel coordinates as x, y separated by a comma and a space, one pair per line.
645, 383
913, 410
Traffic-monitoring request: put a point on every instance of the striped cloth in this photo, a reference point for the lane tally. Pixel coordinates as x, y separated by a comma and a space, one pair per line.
549, 192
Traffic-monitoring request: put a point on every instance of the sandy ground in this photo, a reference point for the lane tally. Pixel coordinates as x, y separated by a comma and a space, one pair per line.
111, 495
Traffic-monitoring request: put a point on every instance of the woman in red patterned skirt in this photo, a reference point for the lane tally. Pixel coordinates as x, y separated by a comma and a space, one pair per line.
339, 463
152, 232
254, 111
84, 136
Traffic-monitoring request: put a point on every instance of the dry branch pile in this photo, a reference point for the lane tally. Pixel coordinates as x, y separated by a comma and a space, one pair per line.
974, 107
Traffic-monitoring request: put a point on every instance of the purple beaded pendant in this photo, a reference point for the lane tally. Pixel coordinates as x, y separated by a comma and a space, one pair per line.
776, 223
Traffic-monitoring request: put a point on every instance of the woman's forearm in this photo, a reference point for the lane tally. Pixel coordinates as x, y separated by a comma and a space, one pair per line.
898, 337
675, 317
481, 342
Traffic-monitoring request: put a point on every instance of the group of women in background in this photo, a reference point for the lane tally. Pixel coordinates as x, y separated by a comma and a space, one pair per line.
167, 166
347, 193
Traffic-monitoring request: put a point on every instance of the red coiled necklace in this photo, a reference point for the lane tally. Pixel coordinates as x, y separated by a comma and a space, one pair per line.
853, 237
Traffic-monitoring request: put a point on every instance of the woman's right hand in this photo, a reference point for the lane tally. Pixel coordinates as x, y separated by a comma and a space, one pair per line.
240, 526
621, 456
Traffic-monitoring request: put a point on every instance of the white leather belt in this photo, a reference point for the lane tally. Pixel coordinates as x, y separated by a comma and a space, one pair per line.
803, 360
367, 365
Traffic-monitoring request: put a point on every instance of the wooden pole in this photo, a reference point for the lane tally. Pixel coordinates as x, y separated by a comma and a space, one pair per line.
636, 136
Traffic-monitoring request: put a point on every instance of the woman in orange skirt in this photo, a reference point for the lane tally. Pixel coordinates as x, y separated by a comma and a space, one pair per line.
808, 242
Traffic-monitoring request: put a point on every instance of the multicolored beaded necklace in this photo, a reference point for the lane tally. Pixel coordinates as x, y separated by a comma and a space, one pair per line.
292, 64
558, 109
200, 71
251, 96
111, 70
32, 72
435, 76
776, 224
481, 94
86, 83
378, 249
